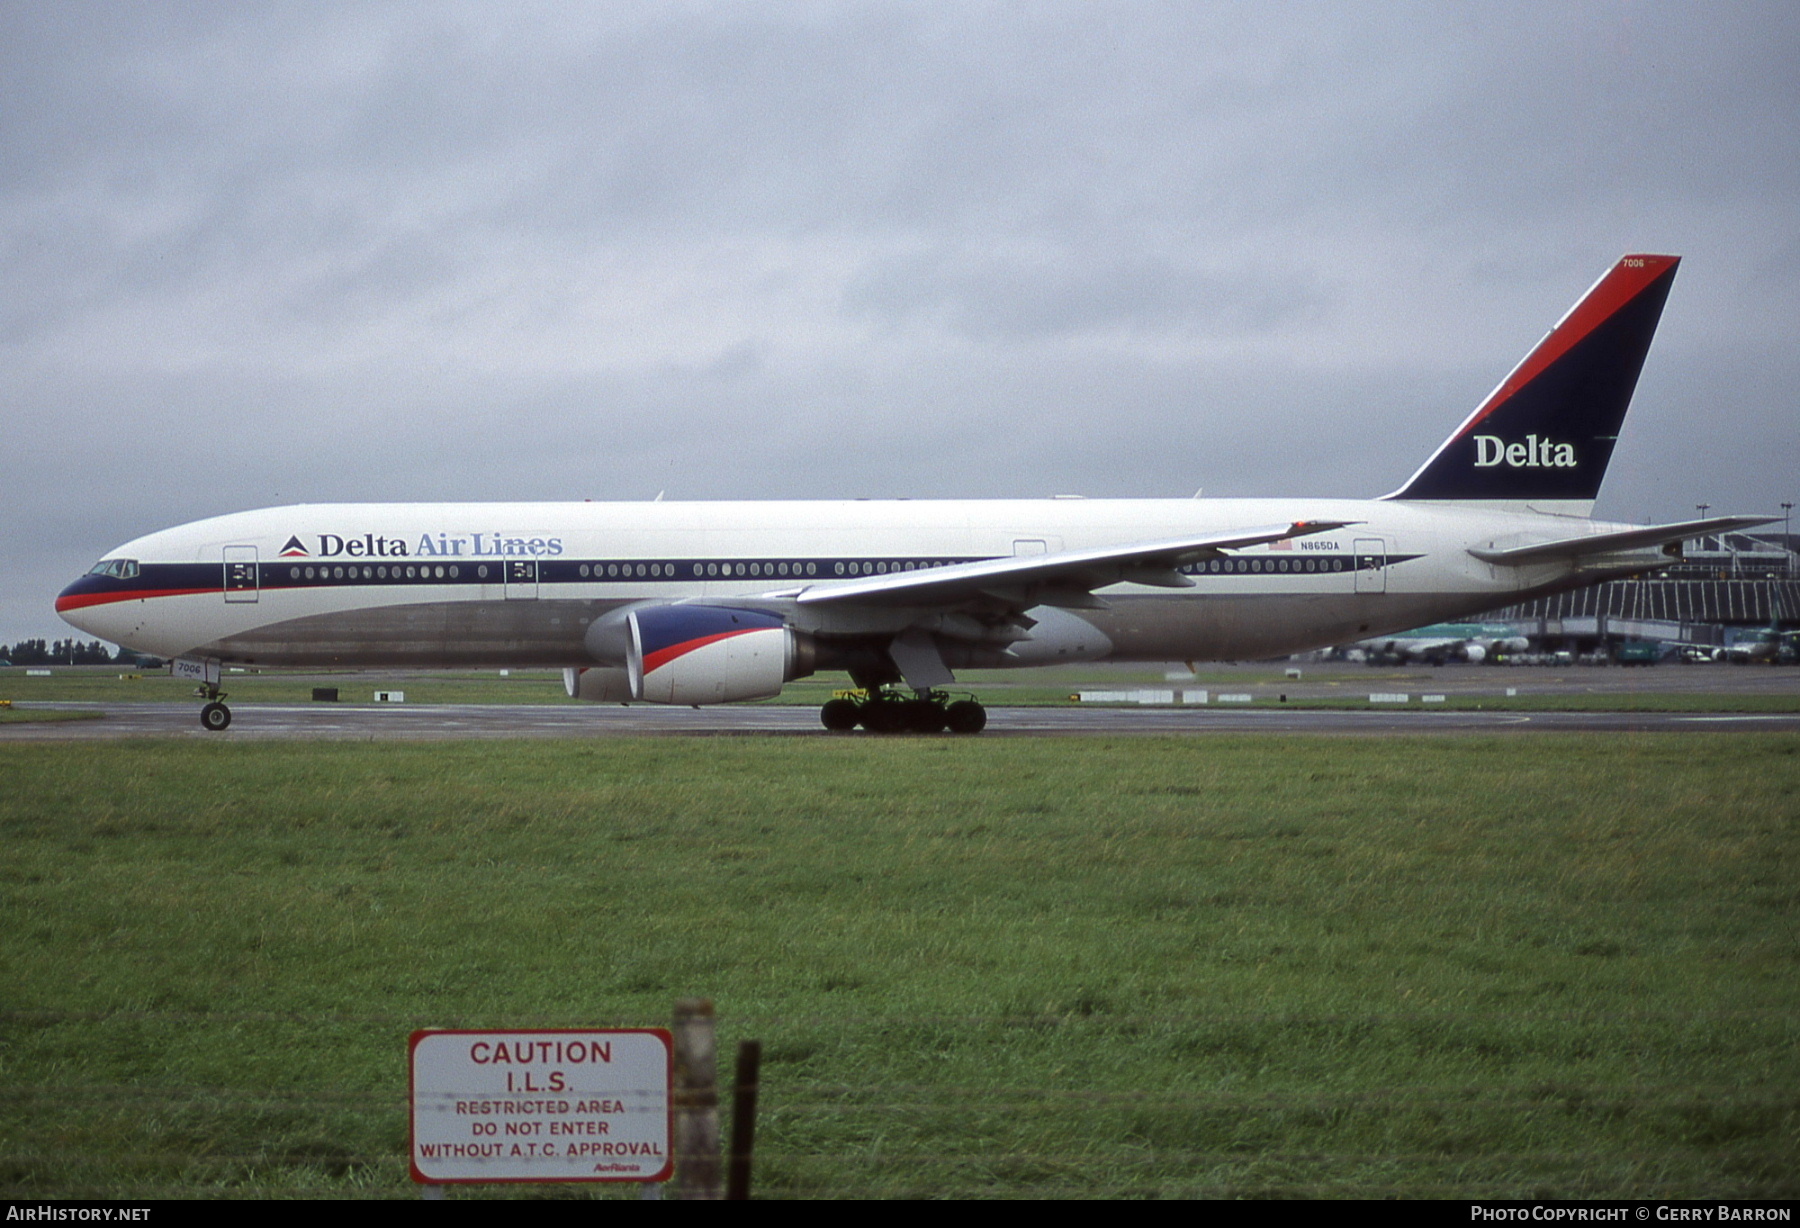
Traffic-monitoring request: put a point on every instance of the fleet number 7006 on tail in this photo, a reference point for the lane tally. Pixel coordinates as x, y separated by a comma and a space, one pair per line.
705, 603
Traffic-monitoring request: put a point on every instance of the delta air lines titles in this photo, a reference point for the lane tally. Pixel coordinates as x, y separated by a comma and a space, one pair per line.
440, 545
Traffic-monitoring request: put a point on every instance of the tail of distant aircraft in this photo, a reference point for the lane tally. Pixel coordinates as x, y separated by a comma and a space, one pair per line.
1544, 436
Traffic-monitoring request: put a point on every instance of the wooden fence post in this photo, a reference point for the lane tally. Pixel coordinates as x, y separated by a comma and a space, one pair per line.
743, 1118
696, 1101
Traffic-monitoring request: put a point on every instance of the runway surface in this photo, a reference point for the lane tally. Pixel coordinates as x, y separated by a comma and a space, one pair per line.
427, 722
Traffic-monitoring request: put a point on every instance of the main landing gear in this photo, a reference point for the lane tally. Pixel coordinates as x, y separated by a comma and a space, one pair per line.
214, 715
886, 711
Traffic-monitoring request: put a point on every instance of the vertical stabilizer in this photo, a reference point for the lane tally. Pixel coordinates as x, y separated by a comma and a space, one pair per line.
1544, 436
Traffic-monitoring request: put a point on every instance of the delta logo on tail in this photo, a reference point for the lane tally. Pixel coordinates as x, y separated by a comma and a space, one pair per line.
1534, 453
1547, 432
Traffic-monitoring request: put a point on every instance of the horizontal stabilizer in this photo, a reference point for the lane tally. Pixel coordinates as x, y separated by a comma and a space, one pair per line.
1613, 543
1065, 578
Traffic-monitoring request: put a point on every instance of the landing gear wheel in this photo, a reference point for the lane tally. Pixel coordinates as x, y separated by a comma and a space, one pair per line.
884, 716
215, 716
839, 715
965, 716
925, 716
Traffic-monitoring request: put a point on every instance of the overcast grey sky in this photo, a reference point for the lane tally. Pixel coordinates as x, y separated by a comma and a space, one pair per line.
255, 254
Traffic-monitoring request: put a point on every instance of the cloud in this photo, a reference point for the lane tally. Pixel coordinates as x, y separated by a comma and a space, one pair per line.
377, 251
1061, 295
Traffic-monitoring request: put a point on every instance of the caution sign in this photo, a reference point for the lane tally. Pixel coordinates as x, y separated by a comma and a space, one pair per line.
546, 1105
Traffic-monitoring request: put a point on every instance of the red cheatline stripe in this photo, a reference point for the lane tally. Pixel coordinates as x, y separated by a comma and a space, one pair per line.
1615, 290
83, 600
663, 656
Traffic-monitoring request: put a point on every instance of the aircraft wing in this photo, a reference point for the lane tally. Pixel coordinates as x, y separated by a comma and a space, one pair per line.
1612, 543
1067, 578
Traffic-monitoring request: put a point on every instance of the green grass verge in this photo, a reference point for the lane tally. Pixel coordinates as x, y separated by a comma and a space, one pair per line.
102, 685
1549, 701
1072, 967
1542, 690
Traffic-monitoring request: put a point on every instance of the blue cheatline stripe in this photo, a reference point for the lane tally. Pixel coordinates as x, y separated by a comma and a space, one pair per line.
159, 579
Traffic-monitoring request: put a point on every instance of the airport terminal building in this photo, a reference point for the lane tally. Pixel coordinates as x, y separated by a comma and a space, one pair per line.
1734, 580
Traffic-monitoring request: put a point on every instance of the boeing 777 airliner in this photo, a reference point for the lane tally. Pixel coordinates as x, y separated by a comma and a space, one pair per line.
705, 603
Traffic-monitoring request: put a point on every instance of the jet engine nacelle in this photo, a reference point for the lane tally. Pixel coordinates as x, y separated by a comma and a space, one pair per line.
598, 685
697, 654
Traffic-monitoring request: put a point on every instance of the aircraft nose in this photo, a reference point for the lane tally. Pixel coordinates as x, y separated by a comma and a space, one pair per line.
73, 602
86, 603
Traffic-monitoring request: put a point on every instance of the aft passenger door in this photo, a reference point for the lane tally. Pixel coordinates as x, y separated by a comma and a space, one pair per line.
1371, 565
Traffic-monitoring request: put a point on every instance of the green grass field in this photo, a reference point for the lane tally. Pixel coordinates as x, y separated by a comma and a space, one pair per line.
1072, 967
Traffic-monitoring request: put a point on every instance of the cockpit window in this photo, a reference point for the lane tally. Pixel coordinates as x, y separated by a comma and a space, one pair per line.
118, 569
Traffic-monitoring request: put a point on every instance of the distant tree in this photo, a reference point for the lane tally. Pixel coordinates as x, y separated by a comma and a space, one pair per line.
62, 652
75, 652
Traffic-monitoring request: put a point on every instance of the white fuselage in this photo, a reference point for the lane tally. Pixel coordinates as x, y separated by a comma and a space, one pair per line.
516, 584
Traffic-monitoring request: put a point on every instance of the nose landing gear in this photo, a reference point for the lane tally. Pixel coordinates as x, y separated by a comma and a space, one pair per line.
214, 715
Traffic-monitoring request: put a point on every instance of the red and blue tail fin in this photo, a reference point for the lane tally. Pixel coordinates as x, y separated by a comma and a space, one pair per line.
1545, 435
